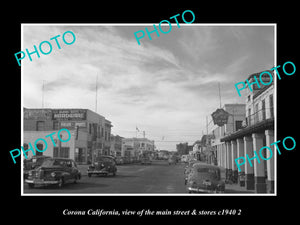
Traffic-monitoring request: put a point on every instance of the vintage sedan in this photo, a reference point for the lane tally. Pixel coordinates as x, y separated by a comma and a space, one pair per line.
205, 178
103, 165
54, 171
32, 163
146, 160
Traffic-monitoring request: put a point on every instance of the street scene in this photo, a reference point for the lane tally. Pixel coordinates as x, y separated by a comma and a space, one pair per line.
109, 116
157, 178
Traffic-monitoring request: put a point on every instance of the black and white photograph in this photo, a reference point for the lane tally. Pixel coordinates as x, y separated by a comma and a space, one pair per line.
162, 116
138, 114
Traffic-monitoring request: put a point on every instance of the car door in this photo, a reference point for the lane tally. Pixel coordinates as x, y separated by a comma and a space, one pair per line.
68, 170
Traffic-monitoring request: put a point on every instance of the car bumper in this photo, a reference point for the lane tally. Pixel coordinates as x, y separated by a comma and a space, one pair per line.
200, 190
97, 172
41, 182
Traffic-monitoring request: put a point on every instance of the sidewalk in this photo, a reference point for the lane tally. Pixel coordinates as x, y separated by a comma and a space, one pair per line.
234, 188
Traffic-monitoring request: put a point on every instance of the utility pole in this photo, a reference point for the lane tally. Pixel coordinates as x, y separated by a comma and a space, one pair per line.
220, 95
96, 93
43, 94
206, 125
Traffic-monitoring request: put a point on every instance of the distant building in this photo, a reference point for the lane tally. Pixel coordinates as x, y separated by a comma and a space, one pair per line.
182, 148
90, 132
163, 154
135, 147
116, 145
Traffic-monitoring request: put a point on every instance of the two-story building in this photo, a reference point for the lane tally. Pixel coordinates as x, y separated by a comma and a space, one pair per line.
90, 132
257, 131
135, 147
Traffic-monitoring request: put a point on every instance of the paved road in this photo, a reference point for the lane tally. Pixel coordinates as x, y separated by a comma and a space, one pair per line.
156, 178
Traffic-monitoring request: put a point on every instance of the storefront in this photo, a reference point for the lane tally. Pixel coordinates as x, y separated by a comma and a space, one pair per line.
90, 132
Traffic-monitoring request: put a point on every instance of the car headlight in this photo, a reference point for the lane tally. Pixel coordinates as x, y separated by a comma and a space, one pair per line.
30, 173
193, 184
102, 165
53, 174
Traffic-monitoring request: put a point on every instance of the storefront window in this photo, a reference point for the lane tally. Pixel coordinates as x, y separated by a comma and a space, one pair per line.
63, 153
80, 155
39, 147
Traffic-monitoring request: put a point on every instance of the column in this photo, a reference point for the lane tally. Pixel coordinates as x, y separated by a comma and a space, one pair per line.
221, 156
259, 165
249, 171
241, 153
224, 155
233, 157
270, 163
228, 161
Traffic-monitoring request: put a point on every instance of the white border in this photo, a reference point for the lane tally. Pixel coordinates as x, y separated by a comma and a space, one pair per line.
154, 194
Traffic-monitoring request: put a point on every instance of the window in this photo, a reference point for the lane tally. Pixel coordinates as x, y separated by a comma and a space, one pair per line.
263, 109
249, 117
55, 125
64, 152
256, 116
39, 147
40, 125
25, 146
271, 106
238, 125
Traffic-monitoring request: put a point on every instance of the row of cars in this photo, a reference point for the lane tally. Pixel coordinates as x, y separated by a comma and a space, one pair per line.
58, 171
203, 178
126, 160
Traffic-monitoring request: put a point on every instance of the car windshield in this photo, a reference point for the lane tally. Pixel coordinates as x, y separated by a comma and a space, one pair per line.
209, 172
104, 159
53, 162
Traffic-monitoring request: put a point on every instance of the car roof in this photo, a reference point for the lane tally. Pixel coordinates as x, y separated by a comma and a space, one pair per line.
204, 165
59, 158
106, 156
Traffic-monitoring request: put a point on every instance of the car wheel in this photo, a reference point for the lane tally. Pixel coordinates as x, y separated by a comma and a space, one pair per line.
60, 182
114, 174
89, 175
75, 179
30, 185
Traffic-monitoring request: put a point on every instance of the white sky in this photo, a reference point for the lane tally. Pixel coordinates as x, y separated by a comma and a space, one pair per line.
165, 86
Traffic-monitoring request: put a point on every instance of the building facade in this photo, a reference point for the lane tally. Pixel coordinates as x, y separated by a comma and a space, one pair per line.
135, 147
116, 145
90, 132
235, 120
257, 131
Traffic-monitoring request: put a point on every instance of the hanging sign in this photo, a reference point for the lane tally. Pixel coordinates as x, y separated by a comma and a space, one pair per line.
220, 117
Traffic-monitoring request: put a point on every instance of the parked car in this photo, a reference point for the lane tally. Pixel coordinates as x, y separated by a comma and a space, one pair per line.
205, 178
172, 160
32, 163
184, 158
103, 165
54, 171
146, 160
188, 169
119, 160
126, 160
